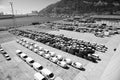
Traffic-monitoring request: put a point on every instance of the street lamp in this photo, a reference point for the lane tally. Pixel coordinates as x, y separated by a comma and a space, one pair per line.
13, 16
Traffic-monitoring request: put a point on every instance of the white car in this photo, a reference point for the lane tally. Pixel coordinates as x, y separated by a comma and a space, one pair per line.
23, 56
7, 56
68, 61
30, 61
47, 56
20, 42
77, 65
41, 48
31, 47
39, 76
35, 50
52, 54
62, 64
26, 45
2, 51
17, 41
38, 67
24, 40
18, 52
35, 45
31, 43
23, 43
27, 42
47, 73
21, 39
53, 59
46, 51
41, 53
59, 57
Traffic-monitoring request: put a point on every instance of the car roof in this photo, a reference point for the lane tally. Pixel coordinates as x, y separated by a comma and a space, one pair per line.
29, 59
23, 54
36, 64
46, 71
39, 76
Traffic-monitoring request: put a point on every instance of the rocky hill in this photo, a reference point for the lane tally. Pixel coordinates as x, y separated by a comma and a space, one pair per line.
82, 6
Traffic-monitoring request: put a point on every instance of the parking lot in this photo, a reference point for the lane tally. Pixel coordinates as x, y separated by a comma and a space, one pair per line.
19, 70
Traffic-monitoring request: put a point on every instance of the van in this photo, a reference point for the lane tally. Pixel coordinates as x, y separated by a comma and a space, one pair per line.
48, 73
30, 61
39, 76
38, 67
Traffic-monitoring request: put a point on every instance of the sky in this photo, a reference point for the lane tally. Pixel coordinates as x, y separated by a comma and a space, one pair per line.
24, 6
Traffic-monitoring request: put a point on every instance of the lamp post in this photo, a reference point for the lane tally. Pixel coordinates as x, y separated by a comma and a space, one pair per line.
13, 16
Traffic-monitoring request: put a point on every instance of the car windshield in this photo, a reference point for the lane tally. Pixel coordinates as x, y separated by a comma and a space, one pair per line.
44, 79
51, 75
32, 61
25, 56
40, 68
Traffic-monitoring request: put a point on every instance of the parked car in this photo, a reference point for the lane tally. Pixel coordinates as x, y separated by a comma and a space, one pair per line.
62, 64
53, 59
47, 56
46, 51
41, 53
27, 42
23, 44
26, 45
77, 65
7, 57
95, 56
38, 67
35, 50
48, 73
2, 51
20, 42
39, 76
68, 61
35, 46
31, 48
59, 57
18, 52
23, 56
41, 48
52, 54
30, 61
17, 41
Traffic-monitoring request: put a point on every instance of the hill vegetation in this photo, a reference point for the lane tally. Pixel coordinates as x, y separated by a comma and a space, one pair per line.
82, 6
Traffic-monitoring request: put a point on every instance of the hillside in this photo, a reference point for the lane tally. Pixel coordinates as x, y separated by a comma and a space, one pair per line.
82, 6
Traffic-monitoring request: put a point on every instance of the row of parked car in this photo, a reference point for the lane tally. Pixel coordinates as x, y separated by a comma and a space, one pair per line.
98, 31
51, 56
44, 73
5, 54
76, 47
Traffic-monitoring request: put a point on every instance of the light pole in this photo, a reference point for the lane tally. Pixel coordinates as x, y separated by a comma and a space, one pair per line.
13, 16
